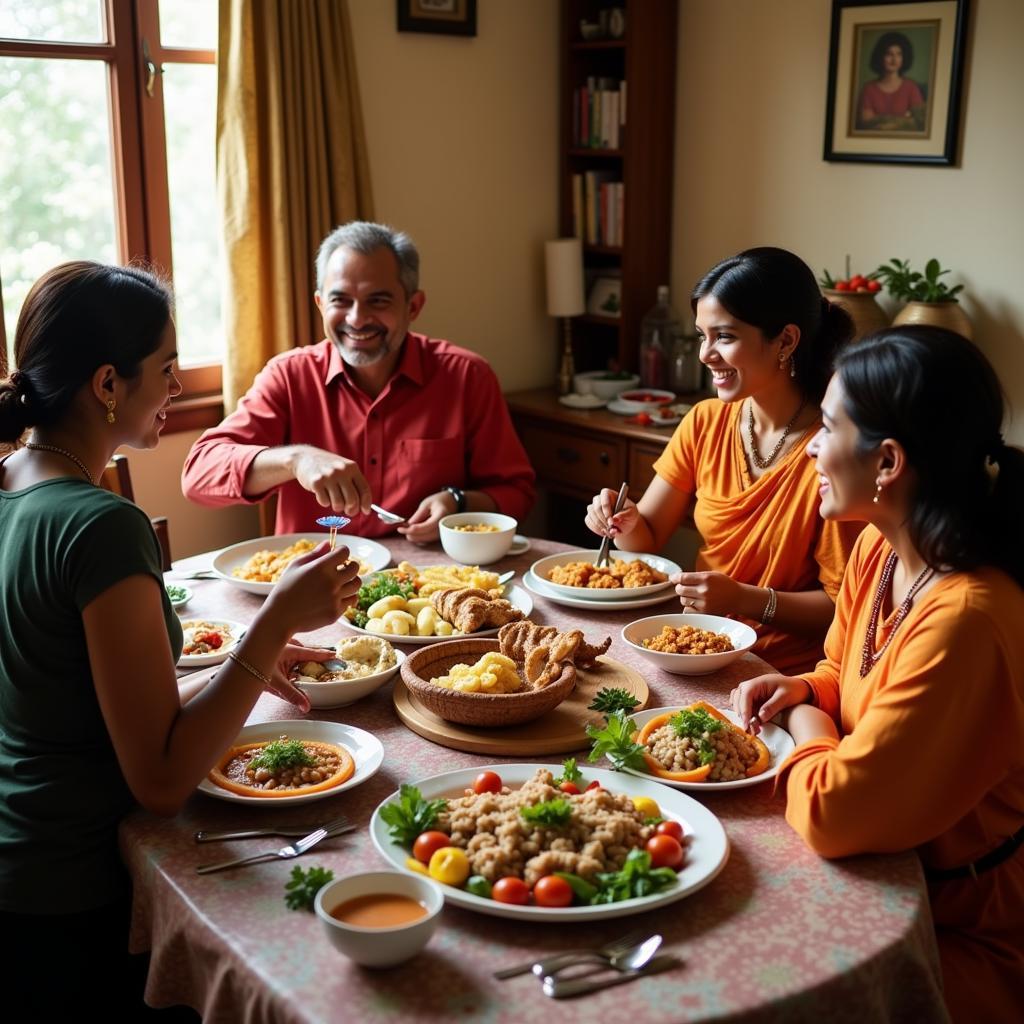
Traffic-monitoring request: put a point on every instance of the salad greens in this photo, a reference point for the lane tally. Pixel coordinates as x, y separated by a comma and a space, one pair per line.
411, 815
635, 878
304, 885
553, 813
380, 586
615, 741
176, 593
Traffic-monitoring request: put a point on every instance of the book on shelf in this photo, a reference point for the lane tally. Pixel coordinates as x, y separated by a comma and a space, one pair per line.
597, 206
599, 114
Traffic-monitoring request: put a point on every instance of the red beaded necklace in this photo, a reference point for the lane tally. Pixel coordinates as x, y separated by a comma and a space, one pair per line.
869, 656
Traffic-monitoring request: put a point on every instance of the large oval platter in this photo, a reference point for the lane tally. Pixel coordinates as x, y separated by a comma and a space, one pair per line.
707, 851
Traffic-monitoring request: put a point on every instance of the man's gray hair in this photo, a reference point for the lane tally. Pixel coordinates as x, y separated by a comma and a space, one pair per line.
365, 237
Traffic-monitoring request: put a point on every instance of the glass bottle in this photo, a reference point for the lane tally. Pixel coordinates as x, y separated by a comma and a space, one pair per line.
658, 330
684, 372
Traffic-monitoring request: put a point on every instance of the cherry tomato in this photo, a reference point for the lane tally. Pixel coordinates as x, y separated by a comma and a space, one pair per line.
858, 281
427, 843
594, 785
570, 787
487, 782
670, 828
842, 286
874, 286
511, 890
449, 865
665, 852
552, 891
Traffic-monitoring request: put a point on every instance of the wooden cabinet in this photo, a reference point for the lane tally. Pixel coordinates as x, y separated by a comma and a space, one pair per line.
644, 58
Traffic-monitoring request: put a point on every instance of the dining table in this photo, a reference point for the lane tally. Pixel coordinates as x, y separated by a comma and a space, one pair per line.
780, 934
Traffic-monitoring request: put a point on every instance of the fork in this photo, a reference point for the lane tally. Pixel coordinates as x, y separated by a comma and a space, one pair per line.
391, 518
553, 963
602, 555
296, 849
289, 831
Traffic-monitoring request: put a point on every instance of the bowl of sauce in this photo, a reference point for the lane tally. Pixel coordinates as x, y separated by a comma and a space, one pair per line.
379, 918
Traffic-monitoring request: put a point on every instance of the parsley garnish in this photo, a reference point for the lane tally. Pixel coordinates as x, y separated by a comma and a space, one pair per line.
411, 815
302, 889
380, 586
570, 773
637, 878
698, 725
553, 813
615, 741
611, 699
282, 754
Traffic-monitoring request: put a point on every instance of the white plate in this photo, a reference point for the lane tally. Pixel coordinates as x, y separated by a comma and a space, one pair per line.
706, 852
237, 630
575, 401
541, 588
375, 555
520, 545
513, 593
594, 595
776, 739
178, 602
364, 747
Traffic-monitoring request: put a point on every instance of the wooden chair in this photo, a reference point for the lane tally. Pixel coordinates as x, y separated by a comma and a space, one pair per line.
117, 479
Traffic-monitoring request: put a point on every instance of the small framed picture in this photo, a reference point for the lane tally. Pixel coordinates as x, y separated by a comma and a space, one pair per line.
445, 17
894, 80
606, 297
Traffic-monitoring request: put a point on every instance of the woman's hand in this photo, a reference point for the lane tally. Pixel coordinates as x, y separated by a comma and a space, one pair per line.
313, 591
281, 684
712, 593
599, 518
762, 698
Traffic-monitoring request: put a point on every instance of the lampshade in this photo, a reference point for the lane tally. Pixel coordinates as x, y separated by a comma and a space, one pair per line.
563, 261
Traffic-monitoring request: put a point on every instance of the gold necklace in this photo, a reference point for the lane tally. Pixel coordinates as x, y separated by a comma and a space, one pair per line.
67, 455
755, 455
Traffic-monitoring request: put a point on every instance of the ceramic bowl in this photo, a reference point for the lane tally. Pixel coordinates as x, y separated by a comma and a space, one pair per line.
629, 400
477, 548
379, 947
543, 566
593, 383
338, 693
481, 709
741, 635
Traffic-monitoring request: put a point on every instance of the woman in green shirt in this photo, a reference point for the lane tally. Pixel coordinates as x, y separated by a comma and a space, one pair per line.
90, 713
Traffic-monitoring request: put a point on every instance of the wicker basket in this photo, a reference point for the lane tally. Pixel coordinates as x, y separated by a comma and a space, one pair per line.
484, 709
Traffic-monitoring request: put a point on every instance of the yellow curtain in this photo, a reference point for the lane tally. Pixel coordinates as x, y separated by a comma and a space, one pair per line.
291, 165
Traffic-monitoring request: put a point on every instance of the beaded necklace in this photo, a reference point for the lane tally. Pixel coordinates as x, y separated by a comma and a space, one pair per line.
869, 656
67, 455
767, 460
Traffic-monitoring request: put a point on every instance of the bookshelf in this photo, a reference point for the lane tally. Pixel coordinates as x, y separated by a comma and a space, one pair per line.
620, 137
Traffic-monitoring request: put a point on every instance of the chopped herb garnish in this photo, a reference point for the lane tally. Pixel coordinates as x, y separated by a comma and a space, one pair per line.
637, 878
615, 741
570, 773
698, 726
282, 754
176, 593
301, 891
552, 813
611, 699
411, 815
380, 586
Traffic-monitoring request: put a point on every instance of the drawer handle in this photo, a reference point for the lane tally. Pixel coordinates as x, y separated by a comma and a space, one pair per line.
604, 458
568, 455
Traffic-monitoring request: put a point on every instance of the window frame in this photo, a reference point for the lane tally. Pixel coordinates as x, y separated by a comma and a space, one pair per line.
139, 155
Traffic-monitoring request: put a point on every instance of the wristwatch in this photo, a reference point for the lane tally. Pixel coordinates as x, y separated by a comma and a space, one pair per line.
460, 498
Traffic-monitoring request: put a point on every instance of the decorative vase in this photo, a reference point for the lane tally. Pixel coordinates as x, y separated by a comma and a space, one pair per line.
864, 310
949, 315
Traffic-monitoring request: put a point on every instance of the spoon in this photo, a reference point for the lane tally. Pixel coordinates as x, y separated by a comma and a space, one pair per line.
562, 988
506, 576
387, 517
631, 959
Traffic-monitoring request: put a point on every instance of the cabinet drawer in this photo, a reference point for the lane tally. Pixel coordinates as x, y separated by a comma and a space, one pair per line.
641, 467
570, 462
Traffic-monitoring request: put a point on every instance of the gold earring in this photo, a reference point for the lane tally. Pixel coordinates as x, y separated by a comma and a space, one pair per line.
878, 492
792, 367
110, 411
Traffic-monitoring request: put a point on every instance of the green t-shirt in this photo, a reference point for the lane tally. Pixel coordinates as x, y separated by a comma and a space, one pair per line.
63, 543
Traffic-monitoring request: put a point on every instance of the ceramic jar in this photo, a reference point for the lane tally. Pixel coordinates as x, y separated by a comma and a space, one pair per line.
864, 310
949, 315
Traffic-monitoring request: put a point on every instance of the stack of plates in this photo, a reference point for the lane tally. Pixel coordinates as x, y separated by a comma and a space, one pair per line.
617, 599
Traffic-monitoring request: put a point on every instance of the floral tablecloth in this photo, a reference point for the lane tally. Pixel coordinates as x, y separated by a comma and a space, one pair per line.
780, 934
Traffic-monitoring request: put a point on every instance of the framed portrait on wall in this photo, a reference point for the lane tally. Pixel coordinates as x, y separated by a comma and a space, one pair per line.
895, 76
442, 17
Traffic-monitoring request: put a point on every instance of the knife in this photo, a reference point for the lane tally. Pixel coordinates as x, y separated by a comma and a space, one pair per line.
558, 988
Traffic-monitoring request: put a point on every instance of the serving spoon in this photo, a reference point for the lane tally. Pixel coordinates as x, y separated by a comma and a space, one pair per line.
391, 518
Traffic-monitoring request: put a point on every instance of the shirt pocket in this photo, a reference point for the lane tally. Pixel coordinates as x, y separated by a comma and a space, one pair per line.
438, 461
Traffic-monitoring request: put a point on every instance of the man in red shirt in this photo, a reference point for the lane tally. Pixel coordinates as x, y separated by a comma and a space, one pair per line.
372, 413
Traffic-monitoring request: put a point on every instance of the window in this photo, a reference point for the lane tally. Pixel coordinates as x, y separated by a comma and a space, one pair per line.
107, 134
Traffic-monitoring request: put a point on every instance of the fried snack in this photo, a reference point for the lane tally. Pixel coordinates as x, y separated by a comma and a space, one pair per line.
688, 640
615, 575
542, 651
470, 610
429, 579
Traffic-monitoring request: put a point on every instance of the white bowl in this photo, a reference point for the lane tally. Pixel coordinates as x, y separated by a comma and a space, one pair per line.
379, 947
629, 405
337, 693
543, 566
741, 635
477, 548
594, 382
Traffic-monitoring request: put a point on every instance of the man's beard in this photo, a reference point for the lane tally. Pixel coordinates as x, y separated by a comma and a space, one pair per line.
363, 357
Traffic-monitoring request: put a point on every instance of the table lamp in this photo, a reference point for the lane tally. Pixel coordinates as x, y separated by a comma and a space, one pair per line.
563, 261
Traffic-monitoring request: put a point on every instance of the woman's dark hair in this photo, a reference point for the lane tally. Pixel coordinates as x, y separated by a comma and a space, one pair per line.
935, 393
770, 288
78, 317
886, 40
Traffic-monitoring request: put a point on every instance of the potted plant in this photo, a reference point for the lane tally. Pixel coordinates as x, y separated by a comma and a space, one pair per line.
856, 294
928, 300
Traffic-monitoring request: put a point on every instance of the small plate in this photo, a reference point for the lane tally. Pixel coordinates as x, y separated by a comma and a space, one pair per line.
575, 401
541, 588
543, 566
178, 602
520, 545
364, 747
237, 630
776, 739
513, 593
707, 850
375, 555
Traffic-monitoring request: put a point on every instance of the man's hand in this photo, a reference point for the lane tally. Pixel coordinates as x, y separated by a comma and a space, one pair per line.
422, 526
337, 482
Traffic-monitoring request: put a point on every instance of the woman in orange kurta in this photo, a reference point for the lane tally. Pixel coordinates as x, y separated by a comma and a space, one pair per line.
769, 339
910, 732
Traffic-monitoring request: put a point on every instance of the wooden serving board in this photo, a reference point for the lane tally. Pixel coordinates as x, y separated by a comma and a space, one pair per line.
558, 732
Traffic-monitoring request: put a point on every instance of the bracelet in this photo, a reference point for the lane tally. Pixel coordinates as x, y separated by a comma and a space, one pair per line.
239, 660
769, 609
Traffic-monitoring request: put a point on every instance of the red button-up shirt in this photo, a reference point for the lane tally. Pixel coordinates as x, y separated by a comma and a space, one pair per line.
440, 420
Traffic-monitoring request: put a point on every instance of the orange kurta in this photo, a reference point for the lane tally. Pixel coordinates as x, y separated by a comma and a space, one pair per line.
765, 532
932, 758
